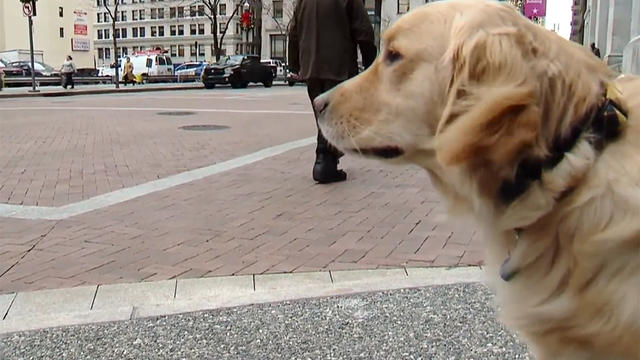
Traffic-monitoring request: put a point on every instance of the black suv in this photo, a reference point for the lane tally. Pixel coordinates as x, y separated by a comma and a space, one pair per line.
238, 71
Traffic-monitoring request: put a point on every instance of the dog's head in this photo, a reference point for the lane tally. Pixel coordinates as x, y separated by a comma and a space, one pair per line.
460, 88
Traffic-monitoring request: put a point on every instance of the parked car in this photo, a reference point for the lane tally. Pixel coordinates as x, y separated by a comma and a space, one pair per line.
9, 70
150, 62
41, 69
238, 71
277, 66
191, 68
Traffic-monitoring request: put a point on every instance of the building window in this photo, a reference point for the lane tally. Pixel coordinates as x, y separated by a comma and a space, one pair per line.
134, 15
142, 14
99, 16
277, 9
125, 51
172, 13
161, 31
100, 53
174, 51
237, 28
278, 46
61, 32
100, 35
200, 29
180, 30
107, 18
107, 33
154, 14
181, 50
200, 10
107, 53
123, 15
142, 34
180, 12
60, 11
123, 33
403, 6
116, 33
222, 26
161, 13
134, 32
172, 30
154, 31
192, 50
201, 50
193, 10
193, 29
222, 10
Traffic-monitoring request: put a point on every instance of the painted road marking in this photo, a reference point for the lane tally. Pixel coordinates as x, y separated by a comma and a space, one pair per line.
122, 195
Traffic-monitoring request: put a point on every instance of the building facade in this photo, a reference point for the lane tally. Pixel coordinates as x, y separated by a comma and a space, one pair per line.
614, 26
60, 28
181, 28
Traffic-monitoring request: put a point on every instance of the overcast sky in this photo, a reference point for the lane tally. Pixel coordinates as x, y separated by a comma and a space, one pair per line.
559, 15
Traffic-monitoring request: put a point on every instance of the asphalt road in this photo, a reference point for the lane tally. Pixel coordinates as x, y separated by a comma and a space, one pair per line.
442, 322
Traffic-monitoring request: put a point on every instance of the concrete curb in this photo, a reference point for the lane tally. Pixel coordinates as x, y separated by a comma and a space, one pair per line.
104, 303
137, 89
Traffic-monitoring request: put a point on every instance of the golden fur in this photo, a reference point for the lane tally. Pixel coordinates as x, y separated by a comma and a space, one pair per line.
466, 89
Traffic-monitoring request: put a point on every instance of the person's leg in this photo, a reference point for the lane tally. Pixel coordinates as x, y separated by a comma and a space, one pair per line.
71, 80
325, 168
64, 80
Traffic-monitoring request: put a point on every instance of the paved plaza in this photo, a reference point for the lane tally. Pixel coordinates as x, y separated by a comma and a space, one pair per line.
265, 216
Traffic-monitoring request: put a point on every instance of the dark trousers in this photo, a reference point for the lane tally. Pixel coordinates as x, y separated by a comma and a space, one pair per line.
316, 87
67, 80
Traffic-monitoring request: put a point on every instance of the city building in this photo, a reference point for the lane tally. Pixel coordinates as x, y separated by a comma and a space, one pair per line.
578, 9
60, 28
181, 28
614, 26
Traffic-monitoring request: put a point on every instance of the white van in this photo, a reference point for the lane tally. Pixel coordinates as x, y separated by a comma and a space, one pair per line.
150, 62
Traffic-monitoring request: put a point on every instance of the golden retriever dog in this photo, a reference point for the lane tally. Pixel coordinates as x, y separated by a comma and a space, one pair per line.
533, 136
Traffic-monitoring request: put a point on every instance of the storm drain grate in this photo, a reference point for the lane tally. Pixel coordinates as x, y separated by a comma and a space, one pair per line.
203, 127
176, 113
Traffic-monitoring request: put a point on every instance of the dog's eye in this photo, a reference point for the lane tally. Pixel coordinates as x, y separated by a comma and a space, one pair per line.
392, 56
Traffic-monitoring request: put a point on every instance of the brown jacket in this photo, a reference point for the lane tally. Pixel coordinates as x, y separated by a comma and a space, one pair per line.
324, 38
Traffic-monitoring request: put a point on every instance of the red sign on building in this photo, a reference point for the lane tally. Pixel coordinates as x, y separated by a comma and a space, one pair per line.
80, 29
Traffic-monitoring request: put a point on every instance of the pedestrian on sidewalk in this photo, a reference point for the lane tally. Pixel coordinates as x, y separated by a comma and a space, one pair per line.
68, 69
323, 50
595, 50
127, 73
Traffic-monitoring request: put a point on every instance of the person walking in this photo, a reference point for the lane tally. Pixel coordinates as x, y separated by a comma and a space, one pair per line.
323, 50
127, 73
595, 50
68, 69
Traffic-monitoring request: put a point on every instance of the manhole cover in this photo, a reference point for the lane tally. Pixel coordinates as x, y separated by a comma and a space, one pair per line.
203, 127
176, 113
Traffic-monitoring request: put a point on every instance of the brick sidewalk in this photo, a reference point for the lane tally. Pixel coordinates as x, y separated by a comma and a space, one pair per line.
263, 218
52, 158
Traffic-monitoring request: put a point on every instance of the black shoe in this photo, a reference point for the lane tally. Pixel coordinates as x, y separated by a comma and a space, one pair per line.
325, 170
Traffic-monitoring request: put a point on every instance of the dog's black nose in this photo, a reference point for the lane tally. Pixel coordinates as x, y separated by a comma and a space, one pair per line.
321, 103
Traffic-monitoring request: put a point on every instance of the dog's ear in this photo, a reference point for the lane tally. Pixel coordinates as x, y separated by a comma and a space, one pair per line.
491, 117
